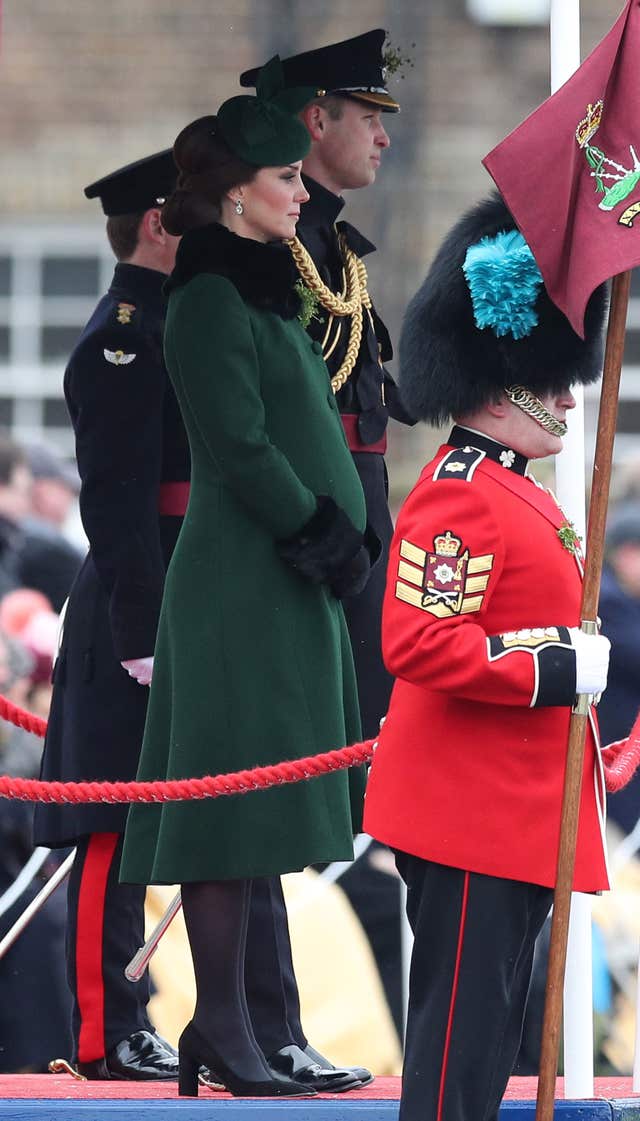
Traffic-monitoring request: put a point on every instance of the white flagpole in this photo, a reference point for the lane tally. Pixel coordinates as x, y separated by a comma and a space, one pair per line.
570, 486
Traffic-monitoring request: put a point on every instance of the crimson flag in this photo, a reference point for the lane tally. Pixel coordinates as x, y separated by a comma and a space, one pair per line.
570, 173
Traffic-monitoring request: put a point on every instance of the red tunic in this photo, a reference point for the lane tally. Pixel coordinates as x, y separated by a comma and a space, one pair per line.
469, 768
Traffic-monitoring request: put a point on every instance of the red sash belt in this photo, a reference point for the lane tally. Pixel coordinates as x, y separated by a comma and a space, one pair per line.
173, 499
350, 425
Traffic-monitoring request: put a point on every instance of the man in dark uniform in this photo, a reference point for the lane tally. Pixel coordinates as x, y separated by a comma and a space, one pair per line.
348, 140
133, 459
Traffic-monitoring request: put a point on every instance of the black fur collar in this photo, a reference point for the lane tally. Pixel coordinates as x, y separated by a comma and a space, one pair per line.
263, 274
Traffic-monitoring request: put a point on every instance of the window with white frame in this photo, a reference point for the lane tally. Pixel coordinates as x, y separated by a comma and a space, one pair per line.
51, 277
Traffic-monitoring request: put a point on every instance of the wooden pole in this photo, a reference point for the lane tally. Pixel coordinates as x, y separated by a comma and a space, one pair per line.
575, 751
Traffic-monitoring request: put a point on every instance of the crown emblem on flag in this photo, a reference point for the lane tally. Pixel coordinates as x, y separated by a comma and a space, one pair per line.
446, 544
590, 124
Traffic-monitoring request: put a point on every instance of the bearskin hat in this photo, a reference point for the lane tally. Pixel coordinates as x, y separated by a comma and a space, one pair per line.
450, 366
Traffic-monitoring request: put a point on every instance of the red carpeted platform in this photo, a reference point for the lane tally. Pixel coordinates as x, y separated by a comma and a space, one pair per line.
56, 1097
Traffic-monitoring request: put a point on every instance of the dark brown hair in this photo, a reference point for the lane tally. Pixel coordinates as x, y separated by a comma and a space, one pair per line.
123, 231
333, 103
207, 170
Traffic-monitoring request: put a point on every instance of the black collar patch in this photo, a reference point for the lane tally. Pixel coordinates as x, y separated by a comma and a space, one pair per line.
467, 438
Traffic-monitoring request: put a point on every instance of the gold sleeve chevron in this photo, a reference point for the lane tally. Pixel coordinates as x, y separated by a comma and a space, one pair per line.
410, 585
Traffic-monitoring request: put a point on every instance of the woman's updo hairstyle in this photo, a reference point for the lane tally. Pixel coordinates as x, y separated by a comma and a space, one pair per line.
207, 169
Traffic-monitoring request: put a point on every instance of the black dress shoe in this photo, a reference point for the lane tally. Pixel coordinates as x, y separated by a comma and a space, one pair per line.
363, 1076
195, 1051
141, 1057
293, 1062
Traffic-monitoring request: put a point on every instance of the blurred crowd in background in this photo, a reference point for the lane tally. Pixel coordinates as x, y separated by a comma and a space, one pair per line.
38, 563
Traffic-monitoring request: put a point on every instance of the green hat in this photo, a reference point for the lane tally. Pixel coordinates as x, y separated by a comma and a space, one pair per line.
264, 130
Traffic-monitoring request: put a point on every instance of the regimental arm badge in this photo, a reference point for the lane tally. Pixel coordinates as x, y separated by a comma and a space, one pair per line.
447, 581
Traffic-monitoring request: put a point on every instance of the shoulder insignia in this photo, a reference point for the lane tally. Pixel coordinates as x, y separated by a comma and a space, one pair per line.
118, 357
124, 312
447, 581
459, 464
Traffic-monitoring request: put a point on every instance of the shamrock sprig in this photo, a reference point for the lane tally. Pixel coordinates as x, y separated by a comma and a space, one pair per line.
570, 540
394, 60
309, 303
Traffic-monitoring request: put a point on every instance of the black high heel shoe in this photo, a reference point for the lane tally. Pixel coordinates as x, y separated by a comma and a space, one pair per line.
195, 1051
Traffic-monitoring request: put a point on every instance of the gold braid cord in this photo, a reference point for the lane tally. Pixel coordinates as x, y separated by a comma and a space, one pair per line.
357, 298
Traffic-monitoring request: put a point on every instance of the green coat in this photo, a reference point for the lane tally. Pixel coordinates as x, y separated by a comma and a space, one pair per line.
253, 663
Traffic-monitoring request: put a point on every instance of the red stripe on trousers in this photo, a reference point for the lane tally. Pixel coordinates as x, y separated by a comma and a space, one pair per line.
454, 993
89, 934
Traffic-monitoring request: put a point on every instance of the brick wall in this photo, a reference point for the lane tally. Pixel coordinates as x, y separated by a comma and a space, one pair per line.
88, 85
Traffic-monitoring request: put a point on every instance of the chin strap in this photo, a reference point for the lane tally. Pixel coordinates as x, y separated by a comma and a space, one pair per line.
533, 407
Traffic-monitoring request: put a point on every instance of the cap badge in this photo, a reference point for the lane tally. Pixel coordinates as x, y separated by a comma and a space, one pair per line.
118, 357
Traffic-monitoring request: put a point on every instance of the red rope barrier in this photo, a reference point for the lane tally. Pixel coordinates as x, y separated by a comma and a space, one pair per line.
22, 719
621, 761
174, 790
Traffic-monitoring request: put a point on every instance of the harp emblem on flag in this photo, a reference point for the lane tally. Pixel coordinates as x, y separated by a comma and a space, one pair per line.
613, 181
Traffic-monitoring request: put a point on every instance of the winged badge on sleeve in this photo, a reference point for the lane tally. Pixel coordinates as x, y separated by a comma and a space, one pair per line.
118, 357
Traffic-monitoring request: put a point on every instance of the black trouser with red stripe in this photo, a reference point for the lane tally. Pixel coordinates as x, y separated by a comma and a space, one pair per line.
470, 971
105, 928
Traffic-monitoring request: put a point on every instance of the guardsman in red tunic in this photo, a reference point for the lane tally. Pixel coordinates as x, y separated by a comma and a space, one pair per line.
481, 630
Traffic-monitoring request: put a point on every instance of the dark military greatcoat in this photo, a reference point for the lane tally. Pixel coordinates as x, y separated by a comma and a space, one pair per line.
115, 382
366, 401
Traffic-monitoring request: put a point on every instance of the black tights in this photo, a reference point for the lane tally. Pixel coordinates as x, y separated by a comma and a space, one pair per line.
216, 914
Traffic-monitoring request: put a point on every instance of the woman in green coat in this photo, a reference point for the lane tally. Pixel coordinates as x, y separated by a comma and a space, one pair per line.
253, 663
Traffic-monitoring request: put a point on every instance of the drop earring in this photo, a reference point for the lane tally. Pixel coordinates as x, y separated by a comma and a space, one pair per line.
239, 207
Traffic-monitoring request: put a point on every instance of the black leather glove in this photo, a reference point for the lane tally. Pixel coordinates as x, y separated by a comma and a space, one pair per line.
330, 550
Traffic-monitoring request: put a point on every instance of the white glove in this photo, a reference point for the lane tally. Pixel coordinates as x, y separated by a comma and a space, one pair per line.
592, 660
140, 669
